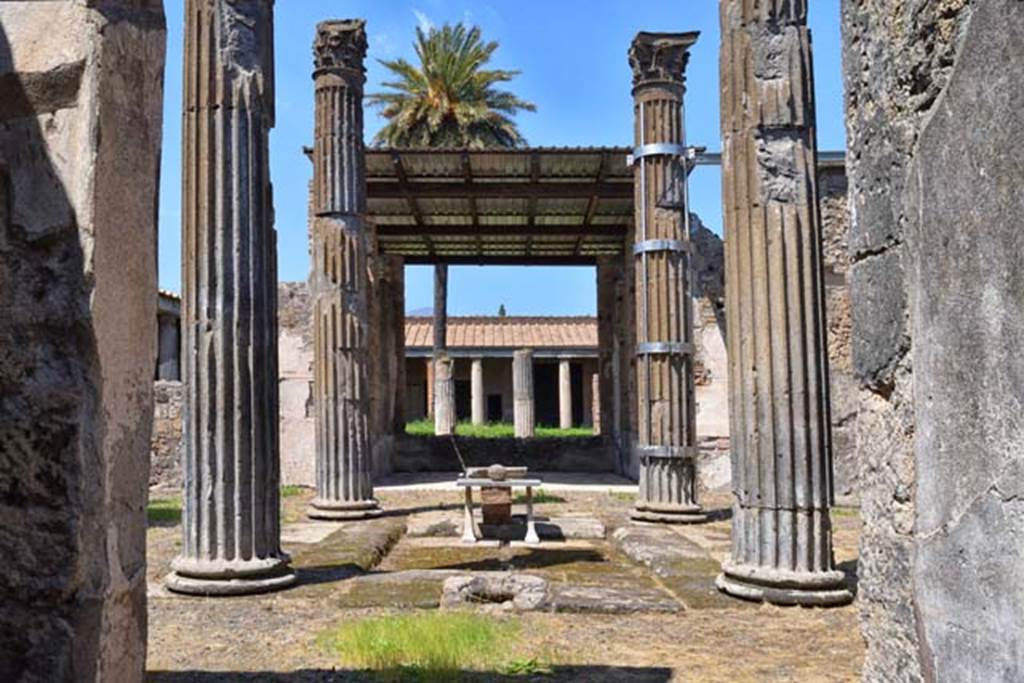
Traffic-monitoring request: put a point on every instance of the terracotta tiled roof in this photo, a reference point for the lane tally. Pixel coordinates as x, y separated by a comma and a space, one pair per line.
510, 332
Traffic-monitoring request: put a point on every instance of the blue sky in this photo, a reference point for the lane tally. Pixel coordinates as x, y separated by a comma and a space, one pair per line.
572, 54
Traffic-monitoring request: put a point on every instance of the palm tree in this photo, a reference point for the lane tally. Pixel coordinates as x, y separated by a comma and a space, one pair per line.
449, 100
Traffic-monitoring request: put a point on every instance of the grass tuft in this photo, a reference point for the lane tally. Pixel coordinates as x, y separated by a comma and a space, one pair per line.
494, 430
164, 511
427, 646
540, 496
289, 491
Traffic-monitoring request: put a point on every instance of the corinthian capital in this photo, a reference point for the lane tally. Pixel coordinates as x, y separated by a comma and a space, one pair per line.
340, 45
660, 57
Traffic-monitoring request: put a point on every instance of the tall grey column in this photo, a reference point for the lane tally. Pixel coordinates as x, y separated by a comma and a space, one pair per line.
522, 393
229, 306
341, 284
477, 395
444, 395
667, 437
778, 366
595, 398
564, 394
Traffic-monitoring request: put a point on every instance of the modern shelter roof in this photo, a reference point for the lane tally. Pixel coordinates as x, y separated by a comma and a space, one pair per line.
550, 205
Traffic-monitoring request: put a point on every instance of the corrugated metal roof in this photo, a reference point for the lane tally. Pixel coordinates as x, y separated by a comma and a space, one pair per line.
534, 205
509, 332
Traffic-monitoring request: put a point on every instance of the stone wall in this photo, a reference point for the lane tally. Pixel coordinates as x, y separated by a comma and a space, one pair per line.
80, 121
567, 454
165, 446
935, 111
295, 384
835, 227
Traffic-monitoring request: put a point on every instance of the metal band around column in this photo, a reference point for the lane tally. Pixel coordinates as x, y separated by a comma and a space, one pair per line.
648, 246
656, 149
664, 348
666, 452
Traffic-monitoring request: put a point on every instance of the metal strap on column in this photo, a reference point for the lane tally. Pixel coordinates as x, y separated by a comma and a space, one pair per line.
647, 246
667, 452
656, 149
664, 348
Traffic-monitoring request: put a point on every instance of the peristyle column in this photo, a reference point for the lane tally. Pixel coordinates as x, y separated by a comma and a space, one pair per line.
564, 394
522, 393
476, 389
341, 284
666, 439
444, 394
229, 306
778, 366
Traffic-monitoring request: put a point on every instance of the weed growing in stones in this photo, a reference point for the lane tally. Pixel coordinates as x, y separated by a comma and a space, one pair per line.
429, 646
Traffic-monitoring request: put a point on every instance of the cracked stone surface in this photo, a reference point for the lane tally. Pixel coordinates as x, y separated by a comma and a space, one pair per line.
937, 293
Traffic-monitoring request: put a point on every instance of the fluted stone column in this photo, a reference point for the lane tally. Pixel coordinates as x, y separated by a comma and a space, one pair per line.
778, 374
444, 395
666, 439
478, 397
229, 306
341, 285
522, 393
564, 394
595, 398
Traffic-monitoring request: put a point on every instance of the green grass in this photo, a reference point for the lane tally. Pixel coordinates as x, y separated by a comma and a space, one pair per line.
427, 646
289, 491
619, 495
164, 511
539, 496
493, 430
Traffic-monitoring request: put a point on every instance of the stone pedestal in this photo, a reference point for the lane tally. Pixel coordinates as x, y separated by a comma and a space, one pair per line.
522, 393
564, 394
229, 307
341, 286
666, 439
478, 396
778, 367
496, 504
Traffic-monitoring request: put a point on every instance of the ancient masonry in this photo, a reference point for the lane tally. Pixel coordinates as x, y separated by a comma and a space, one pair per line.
667, 437
778, 367
938, 302
77, 270
340, 278
522, 393
229, 307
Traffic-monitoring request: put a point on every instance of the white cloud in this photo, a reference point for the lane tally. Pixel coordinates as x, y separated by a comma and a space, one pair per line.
424, 21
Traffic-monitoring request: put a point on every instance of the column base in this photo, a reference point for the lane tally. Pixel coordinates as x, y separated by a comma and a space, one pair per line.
340, 510
783, 587
668, 514
228, 577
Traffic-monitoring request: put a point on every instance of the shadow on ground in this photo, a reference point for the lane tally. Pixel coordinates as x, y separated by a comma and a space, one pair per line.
617, 674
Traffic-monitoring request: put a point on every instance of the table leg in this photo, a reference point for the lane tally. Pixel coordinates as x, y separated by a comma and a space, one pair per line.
468, 530
531, 530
